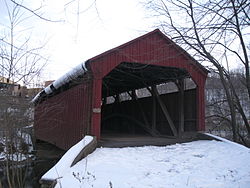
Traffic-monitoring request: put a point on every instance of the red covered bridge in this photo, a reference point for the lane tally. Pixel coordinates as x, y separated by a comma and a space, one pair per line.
125, 91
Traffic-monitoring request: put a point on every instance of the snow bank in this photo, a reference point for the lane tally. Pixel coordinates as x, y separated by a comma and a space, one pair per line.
65, 162
227, 141
206, 164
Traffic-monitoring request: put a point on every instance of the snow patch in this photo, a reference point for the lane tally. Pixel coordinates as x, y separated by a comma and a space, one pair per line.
206, 164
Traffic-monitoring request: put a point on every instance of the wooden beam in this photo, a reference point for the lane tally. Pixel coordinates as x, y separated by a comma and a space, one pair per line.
164, 109
130, 94
133, 95
180, 85
131, 118
104, 101
117, 98
153, 132
153, 111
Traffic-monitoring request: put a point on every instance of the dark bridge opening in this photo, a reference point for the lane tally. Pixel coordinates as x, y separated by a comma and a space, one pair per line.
145, 99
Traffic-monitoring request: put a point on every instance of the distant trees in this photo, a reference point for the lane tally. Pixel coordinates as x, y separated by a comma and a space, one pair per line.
218, 119
214, 32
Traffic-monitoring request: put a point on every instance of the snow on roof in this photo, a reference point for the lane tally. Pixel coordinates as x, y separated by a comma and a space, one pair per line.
195, 164
66, 78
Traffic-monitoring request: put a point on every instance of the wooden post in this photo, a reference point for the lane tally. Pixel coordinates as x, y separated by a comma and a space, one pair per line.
180, 85
153, 132
117, 98
129, 94
104, 101
164, 109
154, 112
96, 108
133, 95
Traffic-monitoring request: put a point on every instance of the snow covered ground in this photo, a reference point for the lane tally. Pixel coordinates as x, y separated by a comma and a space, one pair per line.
198, 164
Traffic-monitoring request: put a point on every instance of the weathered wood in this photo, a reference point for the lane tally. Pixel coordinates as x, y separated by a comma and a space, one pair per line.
147, 129
128, 92
153, 132
165, 111
116, 141
117, 98
180, 85
104, 101
133, 95
154, 112
88, 149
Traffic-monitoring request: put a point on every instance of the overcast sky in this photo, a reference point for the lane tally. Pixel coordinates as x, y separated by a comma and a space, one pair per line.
99, 26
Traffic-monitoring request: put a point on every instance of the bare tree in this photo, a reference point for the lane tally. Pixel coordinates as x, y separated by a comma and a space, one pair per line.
36, 12
214, 32
20, 60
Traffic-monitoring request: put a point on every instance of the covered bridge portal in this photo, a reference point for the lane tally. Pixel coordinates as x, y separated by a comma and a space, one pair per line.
120, 92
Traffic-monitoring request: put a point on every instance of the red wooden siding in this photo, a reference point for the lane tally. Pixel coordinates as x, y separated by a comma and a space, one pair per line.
63, 119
